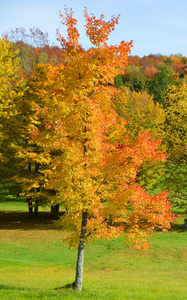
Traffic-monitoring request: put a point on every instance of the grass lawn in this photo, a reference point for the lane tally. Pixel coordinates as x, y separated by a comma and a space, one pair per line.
35, 264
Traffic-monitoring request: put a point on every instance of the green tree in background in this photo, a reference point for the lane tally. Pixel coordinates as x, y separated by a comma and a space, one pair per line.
160, 82
139, 111
135, 79
175, 137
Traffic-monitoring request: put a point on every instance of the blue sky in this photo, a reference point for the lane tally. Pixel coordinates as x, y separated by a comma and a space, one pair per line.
155, 26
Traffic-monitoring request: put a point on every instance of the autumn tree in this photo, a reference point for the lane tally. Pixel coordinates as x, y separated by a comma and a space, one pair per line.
9, 80
20, 171
11, 90
175, 128
15, 115
23, 160
85, 153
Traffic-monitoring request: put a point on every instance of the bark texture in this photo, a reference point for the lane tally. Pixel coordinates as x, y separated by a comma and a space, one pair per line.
80, 257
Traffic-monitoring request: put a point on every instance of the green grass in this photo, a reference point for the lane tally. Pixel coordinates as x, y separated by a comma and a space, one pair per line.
19, 206
35, 264
13, 206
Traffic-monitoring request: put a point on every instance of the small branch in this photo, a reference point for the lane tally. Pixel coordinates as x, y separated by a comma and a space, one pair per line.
89, 95
99, 185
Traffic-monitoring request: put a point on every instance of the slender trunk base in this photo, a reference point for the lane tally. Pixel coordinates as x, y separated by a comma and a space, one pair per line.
79, 267
80, 257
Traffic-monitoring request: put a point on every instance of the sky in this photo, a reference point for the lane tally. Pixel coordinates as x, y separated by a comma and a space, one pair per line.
155, 26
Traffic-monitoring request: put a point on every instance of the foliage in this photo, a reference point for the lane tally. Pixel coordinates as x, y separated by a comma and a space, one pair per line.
152, 64
135, 79
118, 82
155, 73
9, 81
174, 180
175, 128
15, 113
160, 83
140, 112
11, 90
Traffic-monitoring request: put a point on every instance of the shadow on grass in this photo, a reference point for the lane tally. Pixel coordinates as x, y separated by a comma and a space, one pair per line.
177, 228
65, 287
70, 286
13, 292
13, 220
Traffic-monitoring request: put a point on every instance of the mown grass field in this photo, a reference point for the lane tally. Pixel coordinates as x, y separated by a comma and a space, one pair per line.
35, 264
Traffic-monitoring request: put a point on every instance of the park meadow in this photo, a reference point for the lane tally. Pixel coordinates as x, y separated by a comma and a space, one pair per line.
35, 264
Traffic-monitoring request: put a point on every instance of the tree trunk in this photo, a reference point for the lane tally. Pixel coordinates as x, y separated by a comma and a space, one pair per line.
36, 210
33, 209
80, 257
55, 211
30, 207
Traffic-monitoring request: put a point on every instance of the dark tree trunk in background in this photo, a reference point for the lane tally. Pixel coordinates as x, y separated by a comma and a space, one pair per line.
55, 211
30, 207
33, 209
36, 209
